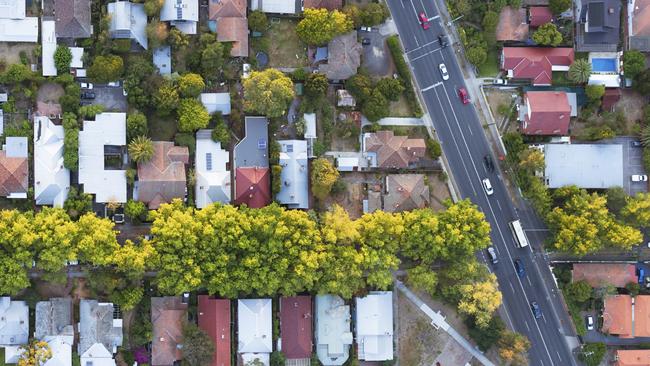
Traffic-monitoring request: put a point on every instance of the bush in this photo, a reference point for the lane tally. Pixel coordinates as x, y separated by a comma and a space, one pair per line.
62, 59
186, 139
70, 142
592, 353
485, 338
135, 210
434, 148
257, 21
91, 110
192, 115
136, 125
404, 73
221, 134
276, 180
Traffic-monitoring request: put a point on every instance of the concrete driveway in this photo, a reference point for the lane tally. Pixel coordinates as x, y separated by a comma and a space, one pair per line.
632, 164
110, 97
376, 56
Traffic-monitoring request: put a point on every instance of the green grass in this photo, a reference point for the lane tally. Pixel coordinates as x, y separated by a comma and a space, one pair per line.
284, 45
561, 78
490, 67
162, 128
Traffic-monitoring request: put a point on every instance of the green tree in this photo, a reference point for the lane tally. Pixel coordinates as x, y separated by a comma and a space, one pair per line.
90, 110
316, 85
221, 134
141, 149
376, 107
268, 92
559, 6
71, 99
177, 38
642, 82
277, 358
486, 337
192, 115
579, 292
360, 86
16, 73
62, 59
379, 237
633, 63
212, 57
616, 200
480, 300
353, 13
56, 239
513, 347
595, 93
422, 278
135, 210
320, 26
390, 88
490, 21
580, 71
136, 125
633, 288
152, 7
645, 136
191, 85
637, 210
77, 203
547, 35
166, 99
476, 55
16, 241
323, 176
434, 148
373, 14
157, 32
592, 353
257, 21
70, 141
105, 69
531, 160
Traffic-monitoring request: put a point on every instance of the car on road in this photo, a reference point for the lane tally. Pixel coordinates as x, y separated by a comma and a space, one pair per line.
424, 21
589, 321
639, 178
487, 186
493, 255
443, 71
487, 160
365, 41
636, 143
443, 41
87, 95
86, 85
500, 82
464, 97
537, 312
519, 268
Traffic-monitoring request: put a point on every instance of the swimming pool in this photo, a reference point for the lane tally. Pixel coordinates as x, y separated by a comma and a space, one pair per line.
603, 64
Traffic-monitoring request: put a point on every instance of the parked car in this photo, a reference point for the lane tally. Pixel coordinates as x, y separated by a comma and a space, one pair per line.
519, 268
464, 97
537, 312
424, 21
500, 82
365, 41
86, 85
114, 83
589, 321
493, 255
636, 143
443, 71
87, 95
366, 29
487, 186
639, 178
488, 163
443, 40
118, 218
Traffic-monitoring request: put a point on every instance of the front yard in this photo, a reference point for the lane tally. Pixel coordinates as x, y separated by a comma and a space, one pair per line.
490, 68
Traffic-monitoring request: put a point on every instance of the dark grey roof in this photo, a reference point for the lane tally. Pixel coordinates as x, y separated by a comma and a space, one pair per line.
72, 18
54, 318
252, 151
602, 18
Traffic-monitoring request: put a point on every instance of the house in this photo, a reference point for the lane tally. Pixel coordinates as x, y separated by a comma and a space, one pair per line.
546, 113
14, 168
162, 178
77, 57
231, 24
100, 333
214, 319
535, 64
254, 333
54, 325
182, 14
345, 99
128, 21
374, 329
162, 58
211, 167
296, 319
598, 26
12, 9
626, 316
639, 25
405, 192
632, 357
323, 4
385, 150
603, 274
51, 178
105, 136
15, 26
168, 316
14, 327
310, 132
583, 165
512, 25
216, 102
539, 15
333, 336
73, 19
48, 47
344, 57
276, 6
252, 175
295, 174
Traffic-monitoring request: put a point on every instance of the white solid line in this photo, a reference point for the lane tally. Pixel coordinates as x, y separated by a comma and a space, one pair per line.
434, 18
424, 45
499, 204
431, 86
527, 327
425, 54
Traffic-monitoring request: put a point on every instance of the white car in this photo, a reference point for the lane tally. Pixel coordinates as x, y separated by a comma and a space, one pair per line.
443, 72
590, 322
114, 83
639, 178
86, 85
487, 186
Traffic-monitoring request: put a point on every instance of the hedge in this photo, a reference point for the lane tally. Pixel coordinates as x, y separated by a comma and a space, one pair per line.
404, 73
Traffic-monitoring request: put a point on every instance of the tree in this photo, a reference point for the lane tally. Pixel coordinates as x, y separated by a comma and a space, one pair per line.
257, 21
390, 88
157, 31
360, 86
323, 176
490, 21
277, 358
434, 148
353, 13
152, 7
136, 125
320, 26
595, 93
633, 63
105, 69
559, 6
316, 85
374, 14
16, 73
141, 149
62, 59
56, 239
645, 136
547, 35
580, 71
191, 85
616, 200
637, 210
212, 57
221, 134
486, 337
166, 98
177, 38
531, 160
633, 288
642, 82
376, 107
578, 292
77, 203
192, 115
513, 347
90, 110
422, 278
379, 237
36, 353
268, 92
480, 300
70, 141
16, 242
592, 353
135, 210
476, 55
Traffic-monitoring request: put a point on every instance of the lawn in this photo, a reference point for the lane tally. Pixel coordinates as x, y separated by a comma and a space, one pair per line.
400, 108
490, 67
162, 128
284, 47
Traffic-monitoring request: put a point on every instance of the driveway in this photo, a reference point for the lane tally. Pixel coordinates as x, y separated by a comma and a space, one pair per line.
111, 98
376, 57
632, 164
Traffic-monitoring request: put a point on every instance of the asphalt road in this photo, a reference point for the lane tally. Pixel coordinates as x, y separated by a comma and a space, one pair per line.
464, 144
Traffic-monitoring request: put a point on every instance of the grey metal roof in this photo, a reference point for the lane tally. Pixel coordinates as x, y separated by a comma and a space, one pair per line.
54, 318
96, 326
596, 166
603, 18
16, 147
128, 20
252, 151
162, 58
295, 175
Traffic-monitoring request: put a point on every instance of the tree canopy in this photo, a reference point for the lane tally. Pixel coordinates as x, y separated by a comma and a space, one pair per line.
190, 85
62, 59
579, 71
320, 26
547, 35
192, 115
105, 69
633, 63
323, 177
268, 92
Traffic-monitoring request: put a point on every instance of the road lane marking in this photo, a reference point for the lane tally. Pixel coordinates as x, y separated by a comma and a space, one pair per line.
530, 283
527, 327
425, 55
544, 317
434, 18
499, 204
558, 355
416, 40
431, 86
512, 287
424, 45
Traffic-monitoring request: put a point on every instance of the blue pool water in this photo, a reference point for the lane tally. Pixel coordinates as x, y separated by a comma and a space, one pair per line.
603, 64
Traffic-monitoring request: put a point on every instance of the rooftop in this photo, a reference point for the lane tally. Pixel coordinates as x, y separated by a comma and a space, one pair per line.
253, 150
14, 168
276, 6
73, 18
344, 57
183, 14
405, 192
128, 20
162, 58
295, 174
51, 178
253, 187
254, 322
632, 357
216, 102
99, 332
19, 30
12, 9
54, 318
214, 319
232, 26
640, 26
323, 4
48, 47
617, 315
168, 316
389, 151
512, 25
374, 315
603, 274
211, 170
536, 63
333, 336
14, 322
599, 25
583, 165
539, 15
548, 113
162, 179
295, 326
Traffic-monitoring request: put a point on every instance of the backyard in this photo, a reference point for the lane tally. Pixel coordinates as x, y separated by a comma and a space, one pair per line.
162, 128
281, 43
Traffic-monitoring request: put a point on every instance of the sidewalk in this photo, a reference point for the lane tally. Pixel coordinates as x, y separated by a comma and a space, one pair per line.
394, 121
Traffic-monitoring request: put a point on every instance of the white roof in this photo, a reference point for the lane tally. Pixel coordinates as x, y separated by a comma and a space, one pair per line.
610, 81
12, 9
128, 20
48, 41
375, 326
254, 320
106, 129
345, 164
77, 57
97, 355
16, 147
162, 58
214, 102
333, 336
295, 175
597, 166
275, 6
51, 178
310, 125
184, 14
19, 30
14, 322
61, 351
212, 178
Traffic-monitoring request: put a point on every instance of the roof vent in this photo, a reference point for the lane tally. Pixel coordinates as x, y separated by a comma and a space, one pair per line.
610, 10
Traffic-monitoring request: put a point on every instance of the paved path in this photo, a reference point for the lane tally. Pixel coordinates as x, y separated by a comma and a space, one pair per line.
438, 321
394, 121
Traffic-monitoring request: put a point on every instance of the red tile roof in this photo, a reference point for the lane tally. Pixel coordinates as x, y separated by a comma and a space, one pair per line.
168, 317
642, 316
13, 174
323, 4
633, 357
535, 63
163, 177
214, 319
549, 113
253, 187
295, 326
617, 316
232, 26
539, 15
601, 274
394, 151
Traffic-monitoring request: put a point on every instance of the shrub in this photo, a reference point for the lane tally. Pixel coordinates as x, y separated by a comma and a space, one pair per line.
135, 210
404, 73
136, 125
70, 142
434, 148
62, 59
186, 139
192, 115
141, 149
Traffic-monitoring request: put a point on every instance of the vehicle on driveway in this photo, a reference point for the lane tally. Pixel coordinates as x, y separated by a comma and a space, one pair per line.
365, 41
636, 143
464, 97
537, 312
487, 186
589, 321
519, 268
443, 71
493, 255
424, 21
86, 85
443, 41
366, 29
639, 178
87, 95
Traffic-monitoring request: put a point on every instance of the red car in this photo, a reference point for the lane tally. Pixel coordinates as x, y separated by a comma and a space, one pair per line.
464, 97
424, 20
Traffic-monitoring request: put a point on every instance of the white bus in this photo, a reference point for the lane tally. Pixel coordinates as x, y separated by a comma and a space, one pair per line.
518, 232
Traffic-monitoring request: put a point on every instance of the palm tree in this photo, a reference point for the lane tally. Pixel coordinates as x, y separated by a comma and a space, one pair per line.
580, 71
141, 149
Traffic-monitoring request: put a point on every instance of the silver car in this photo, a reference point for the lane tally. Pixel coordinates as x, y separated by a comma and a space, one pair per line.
493, 255
443, 71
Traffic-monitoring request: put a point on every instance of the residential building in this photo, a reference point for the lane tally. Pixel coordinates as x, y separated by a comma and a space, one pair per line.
295, 174
211, 167
252, 175
276, 6
162, 178
512, 25
14, 168
12, 9
254, 330
402, 192
323, 4
77, 57
100, 333
231, 24
48, 47
54, 325
333, 336
128, 21
385, 150
344, 57
374, 326
162, 58
14, 327
101, 138
216, 102
639, 25
15, 26
632, 357
73, 18
168, 316
626, 316
214, 319
546, 113
535, 64
539, 15
310, 133
51, 177
598, 26
604, 274
182, 14
583, 165
296, 319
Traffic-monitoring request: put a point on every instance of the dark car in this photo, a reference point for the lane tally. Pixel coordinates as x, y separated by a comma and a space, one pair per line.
537, 312
365, 41
636, 143
487, 160
443, 40
88, 95
519, 267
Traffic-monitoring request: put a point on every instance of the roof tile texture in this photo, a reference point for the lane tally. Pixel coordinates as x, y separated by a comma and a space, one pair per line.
549, 112
602, 274
394, 151
163, 177
168, 316
13, 174
232, 25
214, 319
296, 319
539, 15
535, 63
253, 187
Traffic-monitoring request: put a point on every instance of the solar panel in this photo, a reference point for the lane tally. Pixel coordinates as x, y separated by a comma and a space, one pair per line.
289, 148
261, 144
208, 161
